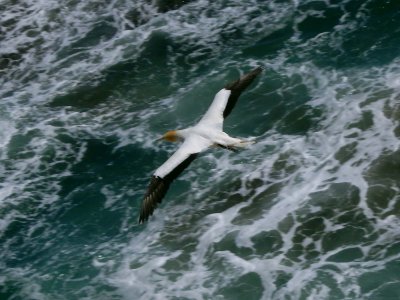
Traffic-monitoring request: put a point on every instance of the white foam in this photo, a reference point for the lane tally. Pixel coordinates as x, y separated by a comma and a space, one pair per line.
111, 196
145, 271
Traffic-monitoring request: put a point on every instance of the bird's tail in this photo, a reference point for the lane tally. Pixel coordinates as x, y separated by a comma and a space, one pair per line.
244, 143
235, 147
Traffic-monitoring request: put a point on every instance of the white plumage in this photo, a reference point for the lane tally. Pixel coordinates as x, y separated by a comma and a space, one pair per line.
193, 144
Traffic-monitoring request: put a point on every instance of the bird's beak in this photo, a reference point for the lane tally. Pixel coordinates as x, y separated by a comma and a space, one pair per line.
159, 139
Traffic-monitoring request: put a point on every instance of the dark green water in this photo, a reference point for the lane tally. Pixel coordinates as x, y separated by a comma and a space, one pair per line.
312, 211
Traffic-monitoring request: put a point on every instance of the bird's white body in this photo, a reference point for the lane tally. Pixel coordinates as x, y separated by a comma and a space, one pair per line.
206, 133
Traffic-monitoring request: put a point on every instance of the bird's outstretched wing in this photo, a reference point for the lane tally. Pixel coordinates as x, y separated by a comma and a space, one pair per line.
225, 100
167, 172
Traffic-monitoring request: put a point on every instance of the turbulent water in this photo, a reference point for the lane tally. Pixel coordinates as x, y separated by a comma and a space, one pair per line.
311, 211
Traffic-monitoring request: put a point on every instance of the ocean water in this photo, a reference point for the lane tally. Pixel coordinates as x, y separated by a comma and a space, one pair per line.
311, 211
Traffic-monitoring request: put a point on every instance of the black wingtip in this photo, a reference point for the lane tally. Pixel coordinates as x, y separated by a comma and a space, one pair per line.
158, 187
145, 213
244, 81
237, 87
142, 219
155, 192
257, 70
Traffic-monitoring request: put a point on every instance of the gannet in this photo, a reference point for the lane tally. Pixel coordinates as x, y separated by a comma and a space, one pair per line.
206, 133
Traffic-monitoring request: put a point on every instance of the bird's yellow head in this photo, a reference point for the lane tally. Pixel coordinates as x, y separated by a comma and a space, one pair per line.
171, 136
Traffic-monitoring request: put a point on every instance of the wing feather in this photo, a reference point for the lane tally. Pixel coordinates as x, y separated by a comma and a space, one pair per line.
168, 172
225, 100
237, 87
158, 187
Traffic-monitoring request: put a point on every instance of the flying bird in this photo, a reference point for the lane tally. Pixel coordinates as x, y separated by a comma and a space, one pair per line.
206, 133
